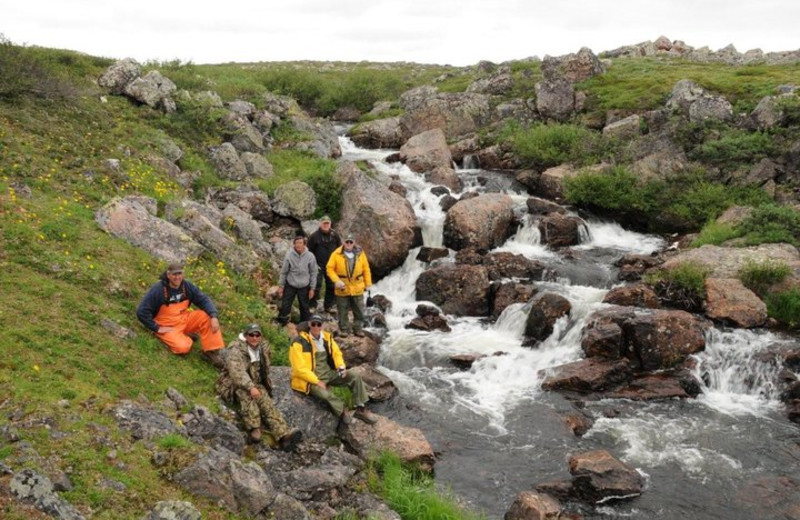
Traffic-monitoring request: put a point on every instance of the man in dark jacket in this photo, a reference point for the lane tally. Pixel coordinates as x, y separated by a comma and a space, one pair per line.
322, 243
247, 366
165, 311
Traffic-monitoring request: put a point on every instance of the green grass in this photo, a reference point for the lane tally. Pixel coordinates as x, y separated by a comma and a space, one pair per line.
411, 493
759, 276
542, 146
785, 307
715, 234
318, 173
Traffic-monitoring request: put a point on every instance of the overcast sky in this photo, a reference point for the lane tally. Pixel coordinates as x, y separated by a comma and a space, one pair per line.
455, 32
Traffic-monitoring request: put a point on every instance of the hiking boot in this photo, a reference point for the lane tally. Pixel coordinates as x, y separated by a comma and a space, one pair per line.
365, 415
255, 435
345, 419
215, 358
290, 441
359, 333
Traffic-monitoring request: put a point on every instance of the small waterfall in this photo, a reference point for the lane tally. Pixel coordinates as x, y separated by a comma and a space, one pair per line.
738, 374
470, 162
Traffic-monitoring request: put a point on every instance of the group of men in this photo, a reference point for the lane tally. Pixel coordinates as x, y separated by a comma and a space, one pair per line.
343, 266
316, 359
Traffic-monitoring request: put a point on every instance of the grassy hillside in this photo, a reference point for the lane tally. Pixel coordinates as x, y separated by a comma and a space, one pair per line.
61, 276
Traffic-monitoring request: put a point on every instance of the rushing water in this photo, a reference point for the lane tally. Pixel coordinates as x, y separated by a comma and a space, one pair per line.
497, 433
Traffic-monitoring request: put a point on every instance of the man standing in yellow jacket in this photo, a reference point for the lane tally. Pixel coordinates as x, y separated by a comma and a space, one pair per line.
317, 364
348, 267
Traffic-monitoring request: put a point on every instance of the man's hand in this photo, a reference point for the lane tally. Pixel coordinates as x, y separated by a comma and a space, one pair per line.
255, 393
311, 293
163, 330
342, 372
214, 325
280, 292
339, 284
322, 385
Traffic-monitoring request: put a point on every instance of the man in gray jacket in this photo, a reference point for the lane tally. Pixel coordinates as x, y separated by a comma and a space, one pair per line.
298, 278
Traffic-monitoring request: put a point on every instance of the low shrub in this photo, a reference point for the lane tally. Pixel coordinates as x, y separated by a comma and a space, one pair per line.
734, 148
771, 224
542, 146
24, 72
785, 307
759, 276
320, 174
714, 233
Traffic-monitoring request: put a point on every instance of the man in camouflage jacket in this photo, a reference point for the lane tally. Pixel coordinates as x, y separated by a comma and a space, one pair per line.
247, 369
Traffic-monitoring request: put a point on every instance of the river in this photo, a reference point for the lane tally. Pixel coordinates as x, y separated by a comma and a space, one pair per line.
495, 431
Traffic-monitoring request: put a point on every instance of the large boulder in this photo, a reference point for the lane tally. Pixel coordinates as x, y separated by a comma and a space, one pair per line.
530, 505
382, 221
295, 199
588, 375
381, 133
119, 75
558, 230
555, 99
598, 477
407, 443
546, 309
226, 161
462, 290
457, 114
129, 219
727, 299
572, 67
154, 90
426, 151
694, 102
483, 222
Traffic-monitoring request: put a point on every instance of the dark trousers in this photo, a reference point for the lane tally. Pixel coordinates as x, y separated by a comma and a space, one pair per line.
289, 293
330, 296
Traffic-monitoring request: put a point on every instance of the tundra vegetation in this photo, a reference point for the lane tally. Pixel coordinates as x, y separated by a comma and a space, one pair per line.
61, 275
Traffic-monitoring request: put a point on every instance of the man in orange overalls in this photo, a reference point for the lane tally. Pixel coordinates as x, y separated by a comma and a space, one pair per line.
165, 311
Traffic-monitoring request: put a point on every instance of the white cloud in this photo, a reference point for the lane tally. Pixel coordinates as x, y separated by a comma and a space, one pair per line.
431, 31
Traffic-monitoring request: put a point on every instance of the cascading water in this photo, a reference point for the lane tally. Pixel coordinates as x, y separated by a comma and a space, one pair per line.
498, 433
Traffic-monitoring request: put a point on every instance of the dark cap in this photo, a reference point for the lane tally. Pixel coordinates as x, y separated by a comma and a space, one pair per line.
326, 218
349, 238
315, 317
174, 267
252, 327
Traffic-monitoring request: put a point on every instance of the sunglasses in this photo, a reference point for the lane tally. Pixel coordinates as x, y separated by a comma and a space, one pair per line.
348, 241
254, 334
175, 273
316, 324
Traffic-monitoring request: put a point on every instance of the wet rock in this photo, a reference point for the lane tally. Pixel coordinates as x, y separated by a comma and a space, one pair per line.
551, 182
483, 222
597, 476
173, 510
508, 293
664, 338
650, 387
429, 254
429, 323
461, 290
537, 206
31, 487
465, 361
769, 497
559, 230
588, 375
359, 351
546, 309
636, 295
382, 302
397, 187
578, 422
727, 299
508, 265
530, 505
446, 177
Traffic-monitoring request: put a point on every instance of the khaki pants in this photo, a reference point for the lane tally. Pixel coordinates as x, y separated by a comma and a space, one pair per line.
331, 378
354, 303
253, 410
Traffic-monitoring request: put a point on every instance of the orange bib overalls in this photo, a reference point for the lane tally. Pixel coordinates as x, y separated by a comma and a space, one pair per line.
184, 321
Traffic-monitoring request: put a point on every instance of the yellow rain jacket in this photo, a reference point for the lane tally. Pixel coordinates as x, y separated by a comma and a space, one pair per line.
303, 361
355, 282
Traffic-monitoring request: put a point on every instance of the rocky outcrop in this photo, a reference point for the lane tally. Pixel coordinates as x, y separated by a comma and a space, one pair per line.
381, 133
482, 222
119, 75
382, 221
130, 219
697, 104
728, 300
227, 162
635, 295
295, 199
153, 90
457, 114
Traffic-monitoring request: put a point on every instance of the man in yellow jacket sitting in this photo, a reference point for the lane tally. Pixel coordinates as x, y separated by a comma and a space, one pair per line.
348, 267
317, 363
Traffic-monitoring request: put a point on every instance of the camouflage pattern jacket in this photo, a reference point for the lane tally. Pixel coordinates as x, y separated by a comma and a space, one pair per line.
240, 373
